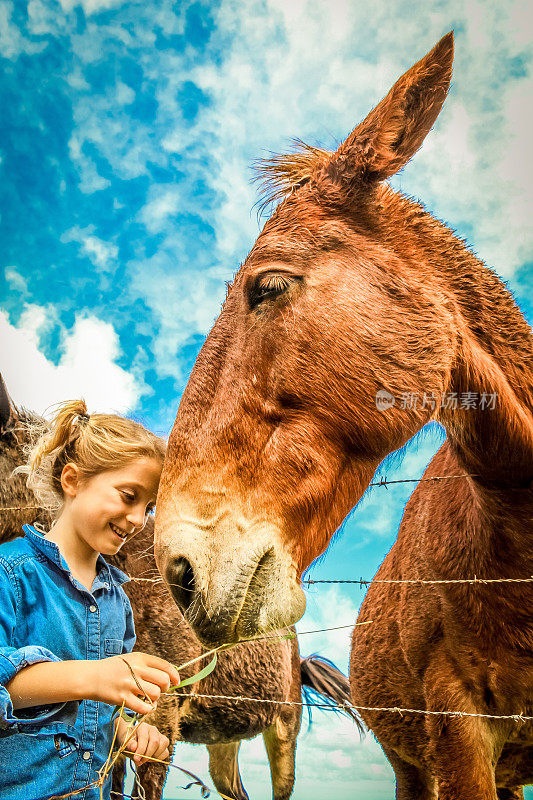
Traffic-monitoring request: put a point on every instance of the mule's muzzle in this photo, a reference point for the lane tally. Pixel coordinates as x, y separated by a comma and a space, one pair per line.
213, 623
259, 598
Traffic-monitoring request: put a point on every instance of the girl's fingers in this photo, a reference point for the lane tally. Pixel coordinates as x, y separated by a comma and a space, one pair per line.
142, 687
140, 672
165, 666
162, 751
137, 705
152, 691
143, 734
149, 661
155, 676
160, 745
149, 744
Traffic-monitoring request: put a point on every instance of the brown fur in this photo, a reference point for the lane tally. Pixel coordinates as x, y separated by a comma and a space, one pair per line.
263, 669
278, 435
269, 670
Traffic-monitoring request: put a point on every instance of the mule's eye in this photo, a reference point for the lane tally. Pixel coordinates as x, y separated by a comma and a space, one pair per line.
268, 287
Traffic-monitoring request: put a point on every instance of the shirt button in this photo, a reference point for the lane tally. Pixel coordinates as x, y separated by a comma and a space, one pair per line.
86, 755
92, 608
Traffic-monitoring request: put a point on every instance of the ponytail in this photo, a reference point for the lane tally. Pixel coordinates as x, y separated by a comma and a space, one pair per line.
94, 443
62, 433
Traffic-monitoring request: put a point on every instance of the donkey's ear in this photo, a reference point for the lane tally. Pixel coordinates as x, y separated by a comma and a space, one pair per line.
8, 413
385, 141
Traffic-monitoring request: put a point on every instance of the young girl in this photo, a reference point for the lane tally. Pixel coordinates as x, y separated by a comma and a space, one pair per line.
66, 625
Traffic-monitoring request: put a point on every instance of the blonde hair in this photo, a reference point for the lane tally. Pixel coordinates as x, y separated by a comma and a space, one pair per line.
94, 443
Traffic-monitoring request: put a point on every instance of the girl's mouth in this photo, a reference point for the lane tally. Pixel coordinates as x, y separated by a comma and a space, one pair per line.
118, 532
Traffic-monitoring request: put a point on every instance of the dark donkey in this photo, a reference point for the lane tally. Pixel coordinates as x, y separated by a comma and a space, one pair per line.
350, 290
265, 670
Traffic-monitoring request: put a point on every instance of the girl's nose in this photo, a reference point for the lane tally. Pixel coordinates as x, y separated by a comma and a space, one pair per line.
136, 517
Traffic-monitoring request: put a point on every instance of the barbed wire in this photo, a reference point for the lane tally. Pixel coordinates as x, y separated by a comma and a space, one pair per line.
328, 706
381, 482
421, 581
366, 582
385, 482
335, 628
22, 508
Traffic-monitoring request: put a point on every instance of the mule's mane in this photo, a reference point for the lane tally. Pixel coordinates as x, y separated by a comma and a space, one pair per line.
280, 174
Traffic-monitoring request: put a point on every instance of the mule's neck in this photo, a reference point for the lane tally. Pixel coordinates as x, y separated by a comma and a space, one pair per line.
491, 430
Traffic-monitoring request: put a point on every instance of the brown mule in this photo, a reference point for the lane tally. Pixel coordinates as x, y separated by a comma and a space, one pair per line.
267, 670
356, 319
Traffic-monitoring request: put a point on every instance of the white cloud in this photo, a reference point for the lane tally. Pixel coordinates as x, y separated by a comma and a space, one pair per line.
124, 94
162, 203
87, 367
327, 607
17, 282
102, 254
308, 69
317, 77
340, 759
103, 121
183, 298
90, 180
12, 42
90, 6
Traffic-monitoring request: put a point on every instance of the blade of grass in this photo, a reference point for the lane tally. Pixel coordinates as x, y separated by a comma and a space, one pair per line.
207, 670
289, 635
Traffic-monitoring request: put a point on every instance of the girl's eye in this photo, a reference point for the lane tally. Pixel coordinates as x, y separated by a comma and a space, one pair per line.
128, 496
268, 287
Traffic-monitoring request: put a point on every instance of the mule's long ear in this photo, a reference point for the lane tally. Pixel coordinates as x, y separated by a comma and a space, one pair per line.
385, 141
8, 414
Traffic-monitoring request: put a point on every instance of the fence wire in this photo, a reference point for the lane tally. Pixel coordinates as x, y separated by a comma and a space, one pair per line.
329, 707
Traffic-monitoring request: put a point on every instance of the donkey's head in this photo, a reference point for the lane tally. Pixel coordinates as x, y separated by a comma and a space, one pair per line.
17, 501
279, 430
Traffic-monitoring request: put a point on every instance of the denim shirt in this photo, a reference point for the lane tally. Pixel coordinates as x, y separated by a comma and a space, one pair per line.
47, 615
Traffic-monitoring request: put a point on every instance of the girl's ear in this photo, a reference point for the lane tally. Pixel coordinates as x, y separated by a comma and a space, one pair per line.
70, 479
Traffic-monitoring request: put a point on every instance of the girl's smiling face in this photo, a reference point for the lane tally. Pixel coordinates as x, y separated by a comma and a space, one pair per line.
109, 507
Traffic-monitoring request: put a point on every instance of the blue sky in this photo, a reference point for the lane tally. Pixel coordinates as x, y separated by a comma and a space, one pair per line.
128, 129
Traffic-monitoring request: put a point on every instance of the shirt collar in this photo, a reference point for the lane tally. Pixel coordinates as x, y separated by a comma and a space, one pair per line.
104, 572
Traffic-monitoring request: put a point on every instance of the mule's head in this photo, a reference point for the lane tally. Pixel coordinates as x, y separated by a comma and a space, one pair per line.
278, 433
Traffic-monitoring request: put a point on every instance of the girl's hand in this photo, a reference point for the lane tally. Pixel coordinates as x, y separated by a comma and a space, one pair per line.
112, 681
145, 741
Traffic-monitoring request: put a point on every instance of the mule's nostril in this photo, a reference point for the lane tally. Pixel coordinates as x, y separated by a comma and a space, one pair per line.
180, 577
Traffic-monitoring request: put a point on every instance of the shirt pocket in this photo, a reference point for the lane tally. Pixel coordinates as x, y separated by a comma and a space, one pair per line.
113, 647
64, 745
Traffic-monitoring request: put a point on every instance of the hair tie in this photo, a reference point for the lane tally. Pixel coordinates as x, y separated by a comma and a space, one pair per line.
83, 419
